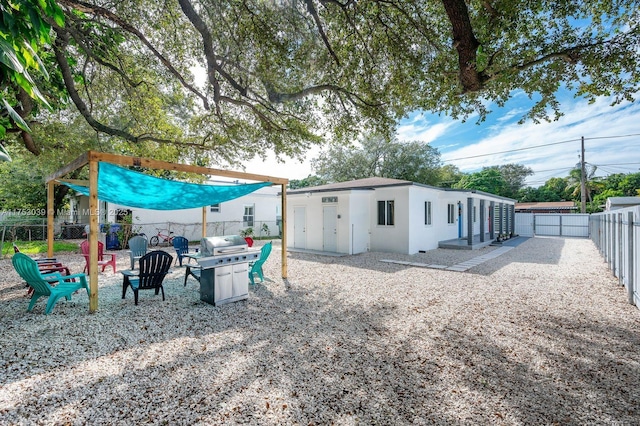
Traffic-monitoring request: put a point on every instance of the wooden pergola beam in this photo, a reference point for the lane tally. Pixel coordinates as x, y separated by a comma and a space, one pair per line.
79, 162
80, 182
93, 158
149, 163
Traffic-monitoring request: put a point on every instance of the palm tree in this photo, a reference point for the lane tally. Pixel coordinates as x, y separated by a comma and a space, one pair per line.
592, 183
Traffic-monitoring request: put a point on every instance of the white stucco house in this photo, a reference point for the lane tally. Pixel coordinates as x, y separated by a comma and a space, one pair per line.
230, 217
390, 215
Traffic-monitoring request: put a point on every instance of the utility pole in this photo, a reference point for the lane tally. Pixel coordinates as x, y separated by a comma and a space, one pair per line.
583, 182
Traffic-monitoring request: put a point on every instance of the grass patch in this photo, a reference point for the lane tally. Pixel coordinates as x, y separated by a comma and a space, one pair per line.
38, 247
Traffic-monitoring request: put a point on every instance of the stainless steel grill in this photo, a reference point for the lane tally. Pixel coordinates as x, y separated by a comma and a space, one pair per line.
213, 246
224, 266
227, 250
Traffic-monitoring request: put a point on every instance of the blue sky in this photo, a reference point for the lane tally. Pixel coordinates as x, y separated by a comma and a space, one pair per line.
605, 129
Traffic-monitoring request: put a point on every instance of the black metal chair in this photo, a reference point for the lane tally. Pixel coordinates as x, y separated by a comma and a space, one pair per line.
154, 266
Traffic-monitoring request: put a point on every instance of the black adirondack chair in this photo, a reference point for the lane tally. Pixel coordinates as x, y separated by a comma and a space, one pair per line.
154, 266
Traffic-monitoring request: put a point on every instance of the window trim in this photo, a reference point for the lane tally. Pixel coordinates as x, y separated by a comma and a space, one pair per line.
451, 213
428, 213
245, 216
386, 212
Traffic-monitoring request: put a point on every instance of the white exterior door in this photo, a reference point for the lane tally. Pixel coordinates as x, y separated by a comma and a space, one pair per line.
330, 228
299, 227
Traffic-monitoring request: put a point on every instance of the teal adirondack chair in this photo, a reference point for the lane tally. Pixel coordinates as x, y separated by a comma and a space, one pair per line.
137, 249
256, 267
27, 268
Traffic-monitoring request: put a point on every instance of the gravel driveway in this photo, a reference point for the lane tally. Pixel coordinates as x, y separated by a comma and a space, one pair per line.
542, 334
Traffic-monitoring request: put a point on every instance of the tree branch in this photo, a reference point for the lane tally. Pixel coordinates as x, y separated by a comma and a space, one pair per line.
99, 11
314, 13
209, 51
270, 124
67, 76
278, 97
465, 42
81, 40
25, 108
570, 54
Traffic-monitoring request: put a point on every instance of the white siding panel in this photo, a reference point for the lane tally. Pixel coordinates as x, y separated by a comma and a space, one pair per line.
395, 238
524, 224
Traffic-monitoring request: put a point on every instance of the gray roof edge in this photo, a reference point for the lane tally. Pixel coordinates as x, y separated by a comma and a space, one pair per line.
350, 188
549, 208
314, 191
475, 191
624, 200
394, 184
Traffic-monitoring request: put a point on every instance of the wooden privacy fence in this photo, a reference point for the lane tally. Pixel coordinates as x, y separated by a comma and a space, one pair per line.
616, 235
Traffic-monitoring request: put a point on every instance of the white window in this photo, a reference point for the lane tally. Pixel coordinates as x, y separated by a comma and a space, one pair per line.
386, 212
427, 212
451, 213
215, 208
247, 218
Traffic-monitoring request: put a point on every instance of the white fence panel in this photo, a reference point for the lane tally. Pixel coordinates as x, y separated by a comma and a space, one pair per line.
547, 224
552, 224
524, 224
575, 225
617, 236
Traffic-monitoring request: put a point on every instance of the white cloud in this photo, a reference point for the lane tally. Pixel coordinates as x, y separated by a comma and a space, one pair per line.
422, 130
511, 114
290, 168
596, 122
599, 123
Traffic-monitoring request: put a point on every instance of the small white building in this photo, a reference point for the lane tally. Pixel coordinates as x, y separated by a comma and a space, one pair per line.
259, 208
615, 203
390, 215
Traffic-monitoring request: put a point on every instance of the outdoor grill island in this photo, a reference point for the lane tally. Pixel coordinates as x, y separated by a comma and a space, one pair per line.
224, 268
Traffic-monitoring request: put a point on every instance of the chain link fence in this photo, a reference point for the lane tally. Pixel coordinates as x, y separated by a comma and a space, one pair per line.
21, 228
193, 231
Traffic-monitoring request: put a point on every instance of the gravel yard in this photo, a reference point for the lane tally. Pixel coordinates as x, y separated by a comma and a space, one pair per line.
540, 335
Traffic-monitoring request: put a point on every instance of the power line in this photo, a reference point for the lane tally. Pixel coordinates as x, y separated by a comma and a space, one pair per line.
541, 146
615, 164
568, 169
552, 170
511, 150
612, 137
614, 171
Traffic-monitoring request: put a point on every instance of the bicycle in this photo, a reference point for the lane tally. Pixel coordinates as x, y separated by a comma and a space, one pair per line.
166, 238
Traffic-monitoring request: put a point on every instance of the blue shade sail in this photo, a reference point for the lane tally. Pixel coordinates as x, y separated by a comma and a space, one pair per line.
122, 186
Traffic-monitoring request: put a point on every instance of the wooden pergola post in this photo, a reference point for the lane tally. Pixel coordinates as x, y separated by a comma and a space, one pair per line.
283, 238
93, 235
204, 221
50, 215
